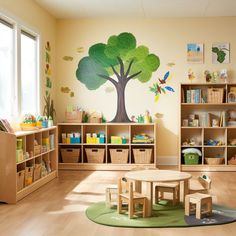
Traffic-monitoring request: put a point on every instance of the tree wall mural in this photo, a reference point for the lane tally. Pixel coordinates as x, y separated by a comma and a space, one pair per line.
118, 61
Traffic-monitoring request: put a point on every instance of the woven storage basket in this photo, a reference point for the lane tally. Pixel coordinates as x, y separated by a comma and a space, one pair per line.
214, 160
74, 116
70, 155
37, 149
119, 156
20, 180
37, 171
95, 155
142, 155
215, 95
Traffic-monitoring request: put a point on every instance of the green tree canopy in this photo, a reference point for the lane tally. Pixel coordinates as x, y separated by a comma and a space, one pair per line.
119, 54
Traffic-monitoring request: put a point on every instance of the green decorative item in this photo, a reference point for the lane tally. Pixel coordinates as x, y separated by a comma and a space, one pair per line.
191, 156
104, 120
140, 119
85, 118
122, 58
49, 109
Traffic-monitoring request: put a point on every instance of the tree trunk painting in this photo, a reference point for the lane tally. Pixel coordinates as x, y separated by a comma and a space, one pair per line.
119, 57
121, 114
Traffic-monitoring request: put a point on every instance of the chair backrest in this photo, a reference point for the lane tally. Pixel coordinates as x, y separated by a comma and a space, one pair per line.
205, 181
125, 187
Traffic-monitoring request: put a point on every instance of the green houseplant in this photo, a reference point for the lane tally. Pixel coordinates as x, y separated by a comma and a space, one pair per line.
49, 109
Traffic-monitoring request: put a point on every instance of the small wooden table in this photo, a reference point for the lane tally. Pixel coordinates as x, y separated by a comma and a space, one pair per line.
151, 176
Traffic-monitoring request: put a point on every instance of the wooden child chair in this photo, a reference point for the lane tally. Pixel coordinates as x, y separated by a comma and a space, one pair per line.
162, 188
199, 203
200, 185
127, 195
111, 195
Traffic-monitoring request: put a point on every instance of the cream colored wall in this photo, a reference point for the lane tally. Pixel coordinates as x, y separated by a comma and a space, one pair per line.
165, 37
32, 16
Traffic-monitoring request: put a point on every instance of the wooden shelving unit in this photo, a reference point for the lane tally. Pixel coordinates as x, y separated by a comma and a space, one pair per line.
10, 167
127, 130
204, 132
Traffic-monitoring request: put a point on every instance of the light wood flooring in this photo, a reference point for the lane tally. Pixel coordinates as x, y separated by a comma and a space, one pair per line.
58, 208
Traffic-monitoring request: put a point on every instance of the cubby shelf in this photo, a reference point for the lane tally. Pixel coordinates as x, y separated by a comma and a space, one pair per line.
194, 103
10, 167
127, 130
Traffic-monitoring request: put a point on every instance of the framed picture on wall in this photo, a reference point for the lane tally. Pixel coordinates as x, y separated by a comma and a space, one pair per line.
195, 53
220, 53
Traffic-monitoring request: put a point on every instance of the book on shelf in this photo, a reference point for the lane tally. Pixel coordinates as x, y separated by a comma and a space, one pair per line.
193, 96
5, 126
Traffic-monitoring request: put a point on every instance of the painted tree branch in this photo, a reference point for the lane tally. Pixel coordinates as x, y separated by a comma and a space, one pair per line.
116, 73
122, 72
128, 70
109, 79
132, 76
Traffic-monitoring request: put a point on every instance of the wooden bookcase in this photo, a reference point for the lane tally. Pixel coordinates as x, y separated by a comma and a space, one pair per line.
10, 166
127, 130
212, 124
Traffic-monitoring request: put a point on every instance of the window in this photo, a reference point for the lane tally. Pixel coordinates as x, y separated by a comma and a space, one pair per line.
28, 74
19, 90
7, 69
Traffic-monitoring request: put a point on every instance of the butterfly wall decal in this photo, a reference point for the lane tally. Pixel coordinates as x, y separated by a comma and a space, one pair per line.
161, 87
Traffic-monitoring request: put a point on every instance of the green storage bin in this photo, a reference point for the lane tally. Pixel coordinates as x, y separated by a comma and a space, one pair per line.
191, 158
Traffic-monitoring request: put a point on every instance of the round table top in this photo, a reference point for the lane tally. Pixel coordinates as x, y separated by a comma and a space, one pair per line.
158, 175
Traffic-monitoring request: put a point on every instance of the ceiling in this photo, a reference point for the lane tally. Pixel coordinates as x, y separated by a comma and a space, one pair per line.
72, 9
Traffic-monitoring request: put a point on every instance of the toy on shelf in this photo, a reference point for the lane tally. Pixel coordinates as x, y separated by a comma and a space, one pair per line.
147, 117
208, 76
71, 138
232, 160
140, 119
232, 142
211, 142
191, 75
95, 117
224, 75
118, 140
189, 142
45, 122
142, 139
39, 122
191, 156
231, 117
28, 123
191, 121
95, 138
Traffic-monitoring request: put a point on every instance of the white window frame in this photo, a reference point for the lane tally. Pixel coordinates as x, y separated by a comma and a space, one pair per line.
18, 28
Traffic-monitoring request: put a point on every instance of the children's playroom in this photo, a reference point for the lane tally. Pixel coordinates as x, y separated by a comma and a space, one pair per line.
117, 117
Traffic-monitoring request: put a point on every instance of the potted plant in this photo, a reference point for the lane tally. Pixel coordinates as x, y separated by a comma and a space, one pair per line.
49, 109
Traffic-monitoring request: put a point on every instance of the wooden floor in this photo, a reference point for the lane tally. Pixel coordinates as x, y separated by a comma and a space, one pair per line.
58, 208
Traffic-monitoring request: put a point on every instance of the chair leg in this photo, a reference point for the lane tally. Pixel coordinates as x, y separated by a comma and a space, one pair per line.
174, 197
198, 210
156, 195
119, 205
130, 210
187, 206
144, 208
108, 198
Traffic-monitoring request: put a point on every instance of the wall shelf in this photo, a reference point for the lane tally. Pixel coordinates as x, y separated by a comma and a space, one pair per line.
127, 130
203, 132
10, 168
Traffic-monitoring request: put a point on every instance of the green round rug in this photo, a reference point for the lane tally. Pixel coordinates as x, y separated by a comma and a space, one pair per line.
164, 215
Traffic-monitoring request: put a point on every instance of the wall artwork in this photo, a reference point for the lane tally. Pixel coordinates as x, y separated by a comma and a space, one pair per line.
220, 53
119, 57
67, 90
195, 53
161, 87
47, 68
